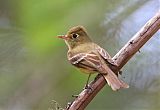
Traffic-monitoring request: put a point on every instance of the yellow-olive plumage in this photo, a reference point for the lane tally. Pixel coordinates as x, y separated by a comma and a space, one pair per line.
90, 57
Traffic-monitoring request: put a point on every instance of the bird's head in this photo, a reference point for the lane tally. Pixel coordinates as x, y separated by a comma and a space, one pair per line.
75, 36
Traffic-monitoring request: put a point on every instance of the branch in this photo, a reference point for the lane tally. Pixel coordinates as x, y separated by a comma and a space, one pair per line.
121, 58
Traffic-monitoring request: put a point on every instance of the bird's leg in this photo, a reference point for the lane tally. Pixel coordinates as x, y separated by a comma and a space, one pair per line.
86, 86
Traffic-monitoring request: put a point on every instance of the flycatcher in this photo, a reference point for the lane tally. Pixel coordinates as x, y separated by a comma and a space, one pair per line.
90, 57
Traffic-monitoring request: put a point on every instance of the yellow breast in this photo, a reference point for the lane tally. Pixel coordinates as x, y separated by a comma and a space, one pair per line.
86, 71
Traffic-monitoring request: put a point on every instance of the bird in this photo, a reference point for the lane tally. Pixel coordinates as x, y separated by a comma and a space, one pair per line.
89, 57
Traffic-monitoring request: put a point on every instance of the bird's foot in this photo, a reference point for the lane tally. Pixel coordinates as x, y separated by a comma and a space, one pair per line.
88, 87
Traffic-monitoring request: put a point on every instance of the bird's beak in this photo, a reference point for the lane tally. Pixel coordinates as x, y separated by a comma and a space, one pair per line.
62, 37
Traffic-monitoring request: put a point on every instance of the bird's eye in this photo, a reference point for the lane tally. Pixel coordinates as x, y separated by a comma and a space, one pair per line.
75, 35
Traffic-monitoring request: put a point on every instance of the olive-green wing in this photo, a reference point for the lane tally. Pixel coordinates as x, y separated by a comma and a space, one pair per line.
105, 55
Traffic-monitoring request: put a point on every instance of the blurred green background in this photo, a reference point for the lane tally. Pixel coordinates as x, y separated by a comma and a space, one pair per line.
33, 65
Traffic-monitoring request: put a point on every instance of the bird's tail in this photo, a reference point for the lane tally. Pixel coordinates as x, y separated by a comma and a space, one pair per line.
113, 81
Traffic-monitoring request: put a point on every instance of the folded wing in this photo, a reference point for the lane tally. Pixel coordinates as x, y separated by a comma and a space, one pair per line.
93, 62
105, 55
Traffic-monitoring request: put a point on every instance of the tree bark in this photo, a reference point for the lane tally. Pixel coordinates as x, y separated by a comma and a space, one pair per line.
121, 58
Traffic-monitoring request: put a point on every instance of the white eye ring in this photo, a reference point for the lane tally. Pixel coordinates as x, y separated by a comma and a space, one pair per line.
75, 35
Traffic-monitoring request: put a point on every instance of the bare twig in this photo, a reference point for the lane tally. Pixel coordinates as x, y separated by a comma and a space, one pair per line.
121, 58
54, 104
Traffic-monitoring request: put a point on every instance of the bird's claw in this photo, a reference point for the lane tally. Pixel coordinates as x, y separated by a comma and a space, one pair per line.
87, 87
